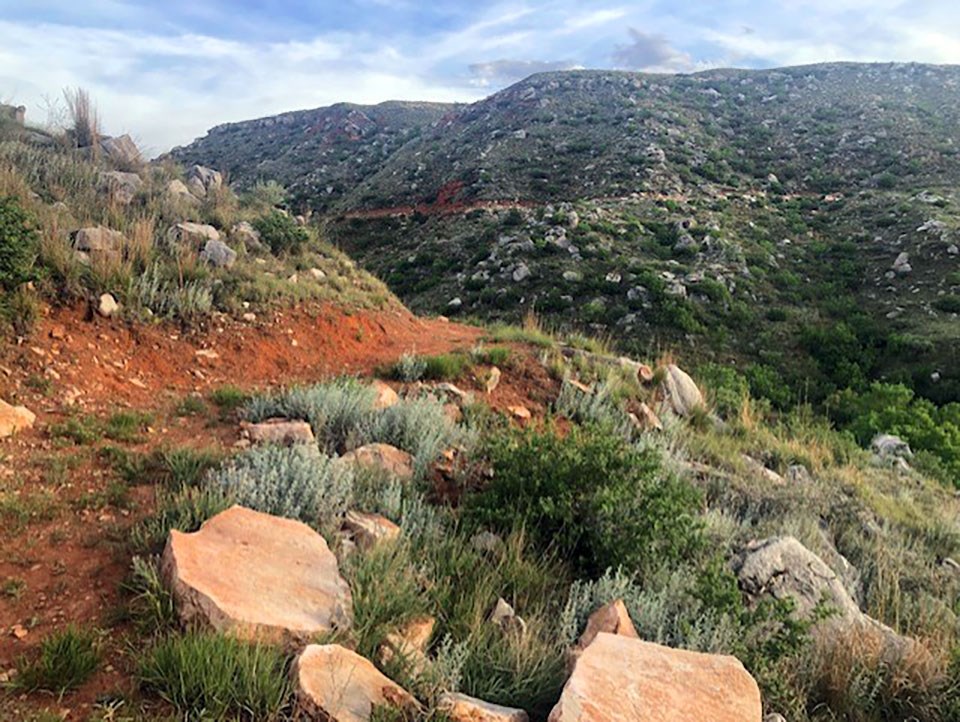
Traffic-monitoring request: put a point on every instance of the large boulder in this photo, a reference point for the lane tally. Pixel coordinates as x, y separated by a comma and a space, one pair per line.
783, 568
681, 392
98, 242
120, 186
218, 254
461, 708
122, 150
629, 680
257, 576
334, 684
381, 458
192, 235
14, 419
202, 180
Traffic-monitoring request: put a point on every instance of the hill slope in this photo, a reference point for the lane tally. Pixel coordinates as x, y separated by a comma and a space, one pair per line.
756, 215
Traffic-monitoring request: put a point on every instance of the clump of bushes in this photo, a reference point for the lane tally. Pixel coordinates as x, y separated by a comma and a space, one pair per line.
18, 245
589, 495
443, 367
281, 233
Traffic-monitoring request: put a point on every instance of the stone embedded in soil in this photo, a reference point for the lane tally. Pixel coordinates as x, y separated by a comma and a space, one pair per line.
279, 431
409, 643
334, 684
629, 680
461, 708
257, 576
14, 419
381, 457
368, 530
385, 396
107, 306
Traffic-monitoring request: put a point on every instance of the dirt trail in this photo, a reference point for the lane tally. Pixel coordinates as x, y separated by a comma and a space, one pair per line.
64, 538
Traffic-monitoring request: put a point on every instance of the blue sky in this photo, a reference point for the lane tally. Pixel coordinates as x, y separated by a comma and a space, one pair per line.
167, 71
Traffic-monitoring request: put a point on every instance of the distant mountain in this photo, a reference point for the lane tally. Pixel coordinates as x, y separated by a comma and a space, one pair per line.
800, 221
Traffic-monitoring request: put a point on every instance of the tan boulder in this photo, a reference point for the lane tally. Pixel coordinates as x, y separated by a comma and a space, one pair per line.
385, 396
279, 431
192, 235
381, 457
334, 684
257, 576
646, 419
629, 680
107, 305
177, 191
461, 708
681, 392
368, 530
14, 419
491, 379
409, 644
98, 241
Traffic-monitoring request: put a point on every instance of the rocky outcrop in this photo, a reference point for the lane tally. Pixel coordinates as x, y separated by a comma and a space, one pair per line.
256, 576
334, 684
121, 150
121, 187
629, 680
681, 393
381, 457
461, 708
98, 242
202, 180
14, 419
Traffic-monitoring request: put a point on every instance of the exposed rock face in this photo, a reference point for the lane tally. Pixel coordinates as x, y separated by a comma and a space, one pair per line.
368, 530
334, 684
14, 419
681, 392
382, 457
257, 576
279, 431
218, 254
461, 708
194, 235
122, 187
629, 680
386, 396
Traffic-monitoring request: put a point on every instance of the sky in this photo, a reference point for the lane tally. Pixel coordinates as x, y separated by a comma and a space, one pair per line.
167, 71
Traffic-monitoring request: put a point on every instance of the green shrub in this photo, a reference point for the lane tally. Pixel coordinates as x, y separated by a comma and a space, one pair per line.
948, 304
18, 245
281, 233
444, 367
191, 406
492, 356
593, 497
66, 659
229, 399
208, 676
152, 606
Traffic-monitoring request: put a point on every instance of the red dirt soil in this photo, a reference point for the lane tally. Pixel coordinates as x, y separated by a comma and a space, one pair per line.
66, 561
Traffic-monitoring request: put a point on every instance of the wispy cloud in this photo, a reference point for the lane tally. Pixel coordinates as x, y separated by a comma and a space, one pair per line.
167, 72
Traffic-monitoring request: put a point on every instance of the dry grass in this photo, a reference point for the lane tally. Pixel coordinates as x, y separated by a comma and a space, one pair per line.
84, 118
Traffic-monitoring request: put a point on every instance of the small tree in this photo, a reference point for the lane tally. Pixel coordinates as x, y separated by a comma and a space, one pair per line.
281, 233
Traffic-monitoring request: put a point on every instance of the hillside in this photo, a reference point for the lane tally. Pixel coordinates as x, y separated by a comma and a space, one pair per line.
756, 216
239, 480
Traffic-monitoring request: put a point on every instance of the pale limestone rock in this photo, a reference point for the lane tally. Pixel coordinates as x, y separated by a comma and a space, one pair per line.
385, 396
382, 457
461, 708
369, 530
14, 419
629, 680
334, 684
279, 431
257, 576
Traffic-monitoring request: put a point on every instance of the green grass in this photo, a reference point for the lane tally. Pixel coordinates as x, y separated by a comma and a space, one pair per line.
13, 588
65, 660
229, 399
443, 367
191, 406
81, 430
492, 356
505, 333
127, 426
151, 606
208, 676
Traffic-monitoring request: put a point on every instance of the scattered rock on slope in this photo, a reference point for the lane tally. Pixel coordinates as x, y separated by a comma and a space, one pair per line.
14, 419
257, 576
194, 235
382, 457
334, 684
629, 680
278, 431
218, 254
461, 708
682, 393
